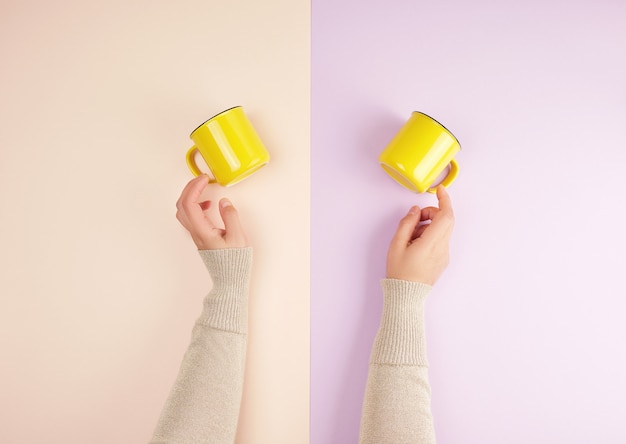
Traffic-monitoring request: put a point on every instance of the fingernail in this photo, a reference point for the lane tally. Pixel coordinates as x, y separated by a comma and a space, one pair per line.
414, 210
225, 203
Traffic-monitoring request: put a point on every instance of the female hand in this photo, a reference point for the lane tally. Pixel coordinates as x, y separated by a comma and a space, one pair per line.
420, 252
191, 214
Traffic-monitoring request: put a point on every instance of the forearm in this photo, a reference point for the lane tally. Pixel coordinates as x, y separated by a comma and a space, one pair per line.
203, 405
396, 407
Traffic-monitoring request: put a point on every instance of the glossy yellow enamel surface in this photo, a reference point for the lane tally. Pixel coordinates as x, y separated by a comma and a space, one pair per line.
230, 147
420, 152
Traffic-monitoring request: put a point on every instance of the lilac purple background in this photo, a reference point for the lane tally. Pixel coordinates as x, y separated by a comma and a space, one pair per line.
526, 327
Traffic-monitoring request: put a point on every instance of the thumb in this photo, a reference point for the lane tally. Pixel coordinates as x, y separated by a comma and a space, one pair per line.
232, 225
406, 227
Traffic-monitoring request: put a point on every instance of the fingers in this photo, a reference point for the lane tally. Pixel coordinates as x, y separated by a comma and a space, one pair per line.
419, 231
428, 213
445, 203
190, 209
232, 224
407, 225
442, 218
193, 189
191, 212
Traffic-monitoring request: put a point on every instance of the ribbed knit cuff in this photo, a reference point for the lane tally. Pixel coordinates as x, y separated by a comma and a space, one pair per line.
226, 306
401, 337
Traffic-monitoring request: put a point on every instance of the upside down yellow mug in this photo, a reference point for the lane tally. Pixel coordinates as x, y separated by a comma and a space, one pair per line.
230, 147
419, 153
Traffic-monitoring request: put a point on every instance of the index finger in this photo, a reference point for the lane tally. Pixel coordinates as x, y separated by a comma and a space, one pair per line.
442, 219
445, 203
190, 201
193, 190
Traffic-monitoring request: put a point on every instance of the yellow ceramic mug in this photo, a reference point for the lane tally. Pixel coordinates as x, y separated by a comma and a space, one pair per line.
230, 147
419, 153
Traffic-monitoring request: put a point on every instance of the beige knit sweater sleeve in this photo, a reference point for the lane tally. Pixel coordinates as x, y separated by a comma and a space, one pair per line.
396, 408
203, 405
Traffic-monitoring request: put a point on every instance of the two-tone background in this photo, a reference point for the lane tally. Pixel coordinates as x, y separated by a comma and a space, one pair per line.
99, 285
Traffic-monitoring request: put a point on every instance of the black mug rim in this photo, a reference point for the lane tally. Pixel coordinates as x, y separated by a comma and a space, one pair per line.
216, 115
441, 125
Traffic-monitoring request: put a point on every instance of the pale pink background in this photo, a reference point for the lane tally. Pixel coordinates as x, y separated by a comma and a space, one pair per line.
526, 328
99, 285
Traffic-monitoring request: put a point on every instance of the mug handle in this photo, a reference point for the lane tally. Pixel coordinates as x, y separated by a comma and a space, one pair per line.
191, 163
454, 171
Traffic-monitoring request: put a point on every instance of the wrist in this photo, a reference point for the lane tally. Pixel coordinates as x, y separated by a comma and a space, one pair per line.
225, 307
228, 267
417, 278
401, 336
